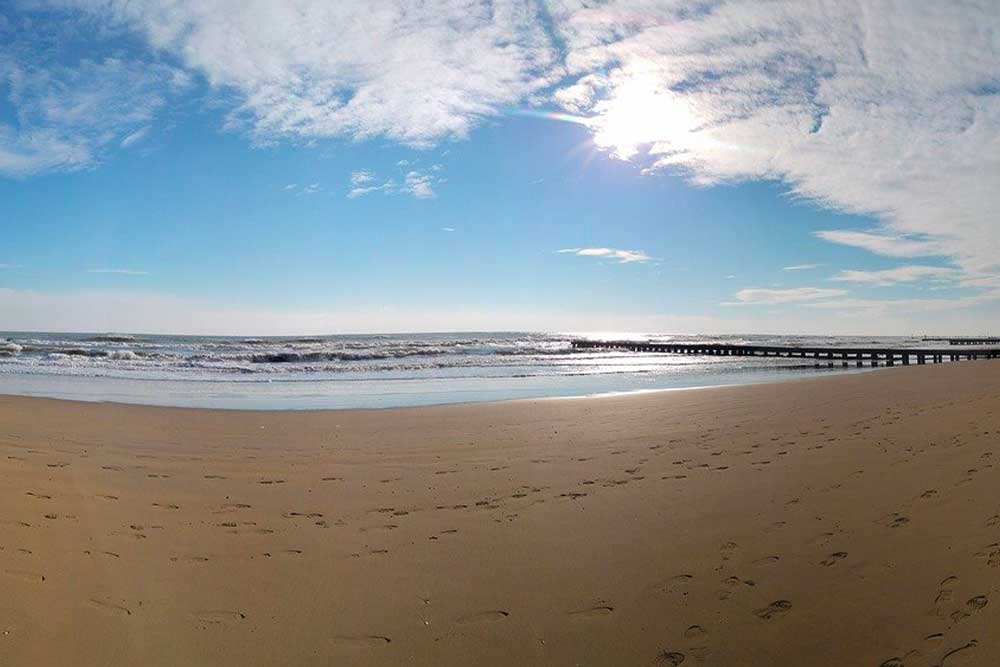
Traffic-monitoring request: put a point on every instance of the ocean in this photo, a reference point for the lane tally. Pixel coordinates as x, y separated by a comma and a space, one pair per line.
375, 371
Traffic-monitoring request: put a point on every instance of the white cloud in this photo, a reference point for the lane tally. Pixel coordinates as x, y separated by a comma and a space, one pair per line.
4, 267
447, 229
416, 183
121, 272
412, 72
801, 267
621, 256
885, 109
135, 137
419, 184
759, 296
885, 244
362, 177
66, 111
902, 274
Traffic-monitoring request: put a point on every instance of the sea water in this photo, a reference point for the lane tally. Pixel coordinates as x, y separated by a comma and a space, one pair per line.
376, 371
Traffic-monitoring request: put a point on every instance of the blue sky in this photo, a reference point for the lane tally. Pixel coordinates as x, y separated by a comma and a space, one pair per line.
155, 177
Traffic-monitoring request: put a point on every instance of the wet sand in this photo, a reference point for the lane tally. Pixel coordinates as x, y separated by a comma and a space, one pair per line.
849, 520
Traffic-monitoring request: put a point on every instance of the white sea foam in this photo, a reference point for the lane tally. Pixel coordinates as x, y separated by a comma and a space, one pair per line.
9, 348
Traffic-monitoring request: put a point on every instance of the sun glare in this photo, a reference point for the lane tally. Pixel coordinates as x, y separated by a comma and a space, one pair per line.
640, 114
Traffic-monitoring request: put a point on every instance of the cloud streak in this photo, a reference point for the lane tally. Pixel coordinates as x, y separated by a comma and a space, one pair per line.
773, 297
902, 274
620, 256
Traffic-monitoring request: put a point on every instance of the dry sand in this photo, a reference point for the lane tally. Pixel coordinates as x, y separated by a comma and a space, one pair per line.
838, 521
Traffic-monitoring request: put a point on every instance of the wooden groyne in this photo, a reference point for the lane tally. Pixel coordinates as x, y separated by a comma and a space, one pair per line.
989, 340
845, 356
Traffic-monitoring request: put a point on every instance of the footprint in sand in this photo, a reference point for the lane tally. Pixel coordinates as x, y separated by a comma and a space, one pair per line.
109, 606
833, 558
669, 659
695, 632
360, 641
491, 616
945, 593
821, 539
728, 550
673, 584
592, 612
773, 610
219, 616
23, 575
991, 554
190, 559
972, 644
766, 560
228, 507
971, 606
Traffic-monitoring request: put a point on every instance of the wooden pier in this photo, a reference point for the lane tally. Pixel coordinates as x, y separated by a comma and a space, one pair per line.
845, 356
989, 340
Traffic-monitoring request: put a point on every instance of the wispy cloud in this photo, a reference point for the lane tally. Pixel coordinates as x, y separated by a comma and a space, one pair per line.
889, 245
411, 72
68, 110
122, 272
801, 267
902, 274
820, 95
362, 177
447, 229
414, 182
308, 189
135, 137
4, 267
759, 296
621, 256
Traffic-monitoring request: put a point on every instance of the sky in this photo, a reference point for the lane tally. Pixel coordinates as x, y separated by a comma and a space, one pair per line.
263, 167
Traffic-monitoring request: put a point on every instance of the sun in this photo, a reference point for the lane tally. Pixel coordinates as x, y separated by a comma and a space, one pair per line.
641, 113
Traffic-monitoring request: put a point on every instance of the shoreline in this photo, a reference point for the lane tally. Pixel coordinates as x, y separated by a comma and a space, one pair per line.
815, 373
777, 523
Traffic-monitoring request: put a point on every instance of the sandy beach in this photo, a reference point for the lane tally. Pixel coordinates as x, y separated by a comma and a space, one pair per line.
848, 520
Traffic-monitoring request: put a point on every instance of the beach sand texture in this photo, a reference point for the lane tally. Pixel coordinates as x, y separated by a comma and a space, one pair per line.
846, 521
